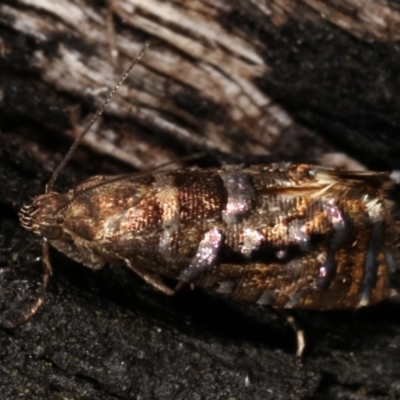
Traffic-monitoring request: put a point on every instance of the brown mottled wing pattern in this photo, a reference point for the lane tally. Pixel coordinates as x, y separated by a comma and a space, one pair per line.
315, 238
285, 235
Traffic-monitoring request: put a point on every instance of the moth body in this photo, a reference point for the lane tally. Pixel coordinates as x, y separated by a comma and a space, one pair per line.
290, 236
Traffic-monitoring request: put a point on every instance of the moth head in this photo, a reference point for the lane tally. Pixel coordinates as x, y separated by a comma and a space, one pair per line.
45, 215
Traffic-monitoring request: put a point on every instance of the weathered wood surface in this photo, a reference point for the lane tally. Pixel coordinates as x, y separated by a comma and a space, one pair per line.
240, 80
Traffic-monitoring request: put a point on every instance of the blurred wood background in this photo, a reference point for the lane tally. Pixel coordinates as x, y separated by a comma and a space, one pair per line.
243, 81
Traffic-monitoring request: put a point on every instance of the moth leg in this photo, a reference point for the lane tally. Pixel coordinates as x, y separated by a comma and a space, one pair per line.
47, 272
288, 317
301, 341
152, 279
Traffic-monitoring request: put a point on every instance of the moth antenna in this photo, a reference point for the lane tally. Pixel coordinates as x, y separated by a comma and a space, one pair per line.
47, 272
50, 184
46, 263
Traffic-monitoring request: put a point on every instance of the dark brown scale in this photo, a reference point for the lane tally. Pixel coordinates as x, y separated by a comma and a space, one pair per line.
201, 195
284, 235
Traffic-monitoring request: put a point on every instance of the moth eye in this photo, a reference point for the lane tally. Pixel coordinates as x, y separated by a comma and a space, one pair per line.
51, 232
59, 220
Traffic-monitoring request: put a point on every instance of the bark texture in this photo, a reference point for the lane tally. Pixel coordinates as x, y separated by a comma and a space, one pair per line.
252, 80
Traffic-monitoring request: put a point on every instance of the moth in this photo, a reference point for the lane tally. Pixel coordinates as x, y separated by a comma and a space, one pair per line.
284, 235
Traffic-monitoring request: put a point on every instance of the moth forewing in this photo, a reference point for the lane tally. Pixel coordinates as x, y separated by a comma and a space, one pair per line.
290, 236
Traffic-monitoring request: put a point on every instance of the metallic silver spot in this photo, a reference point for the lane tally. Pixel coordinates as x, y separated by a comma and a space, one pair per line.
340, 225
252, 240
297, 233
332, 212
241, 196
205, 257
322, 273
326, 272
281, 254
